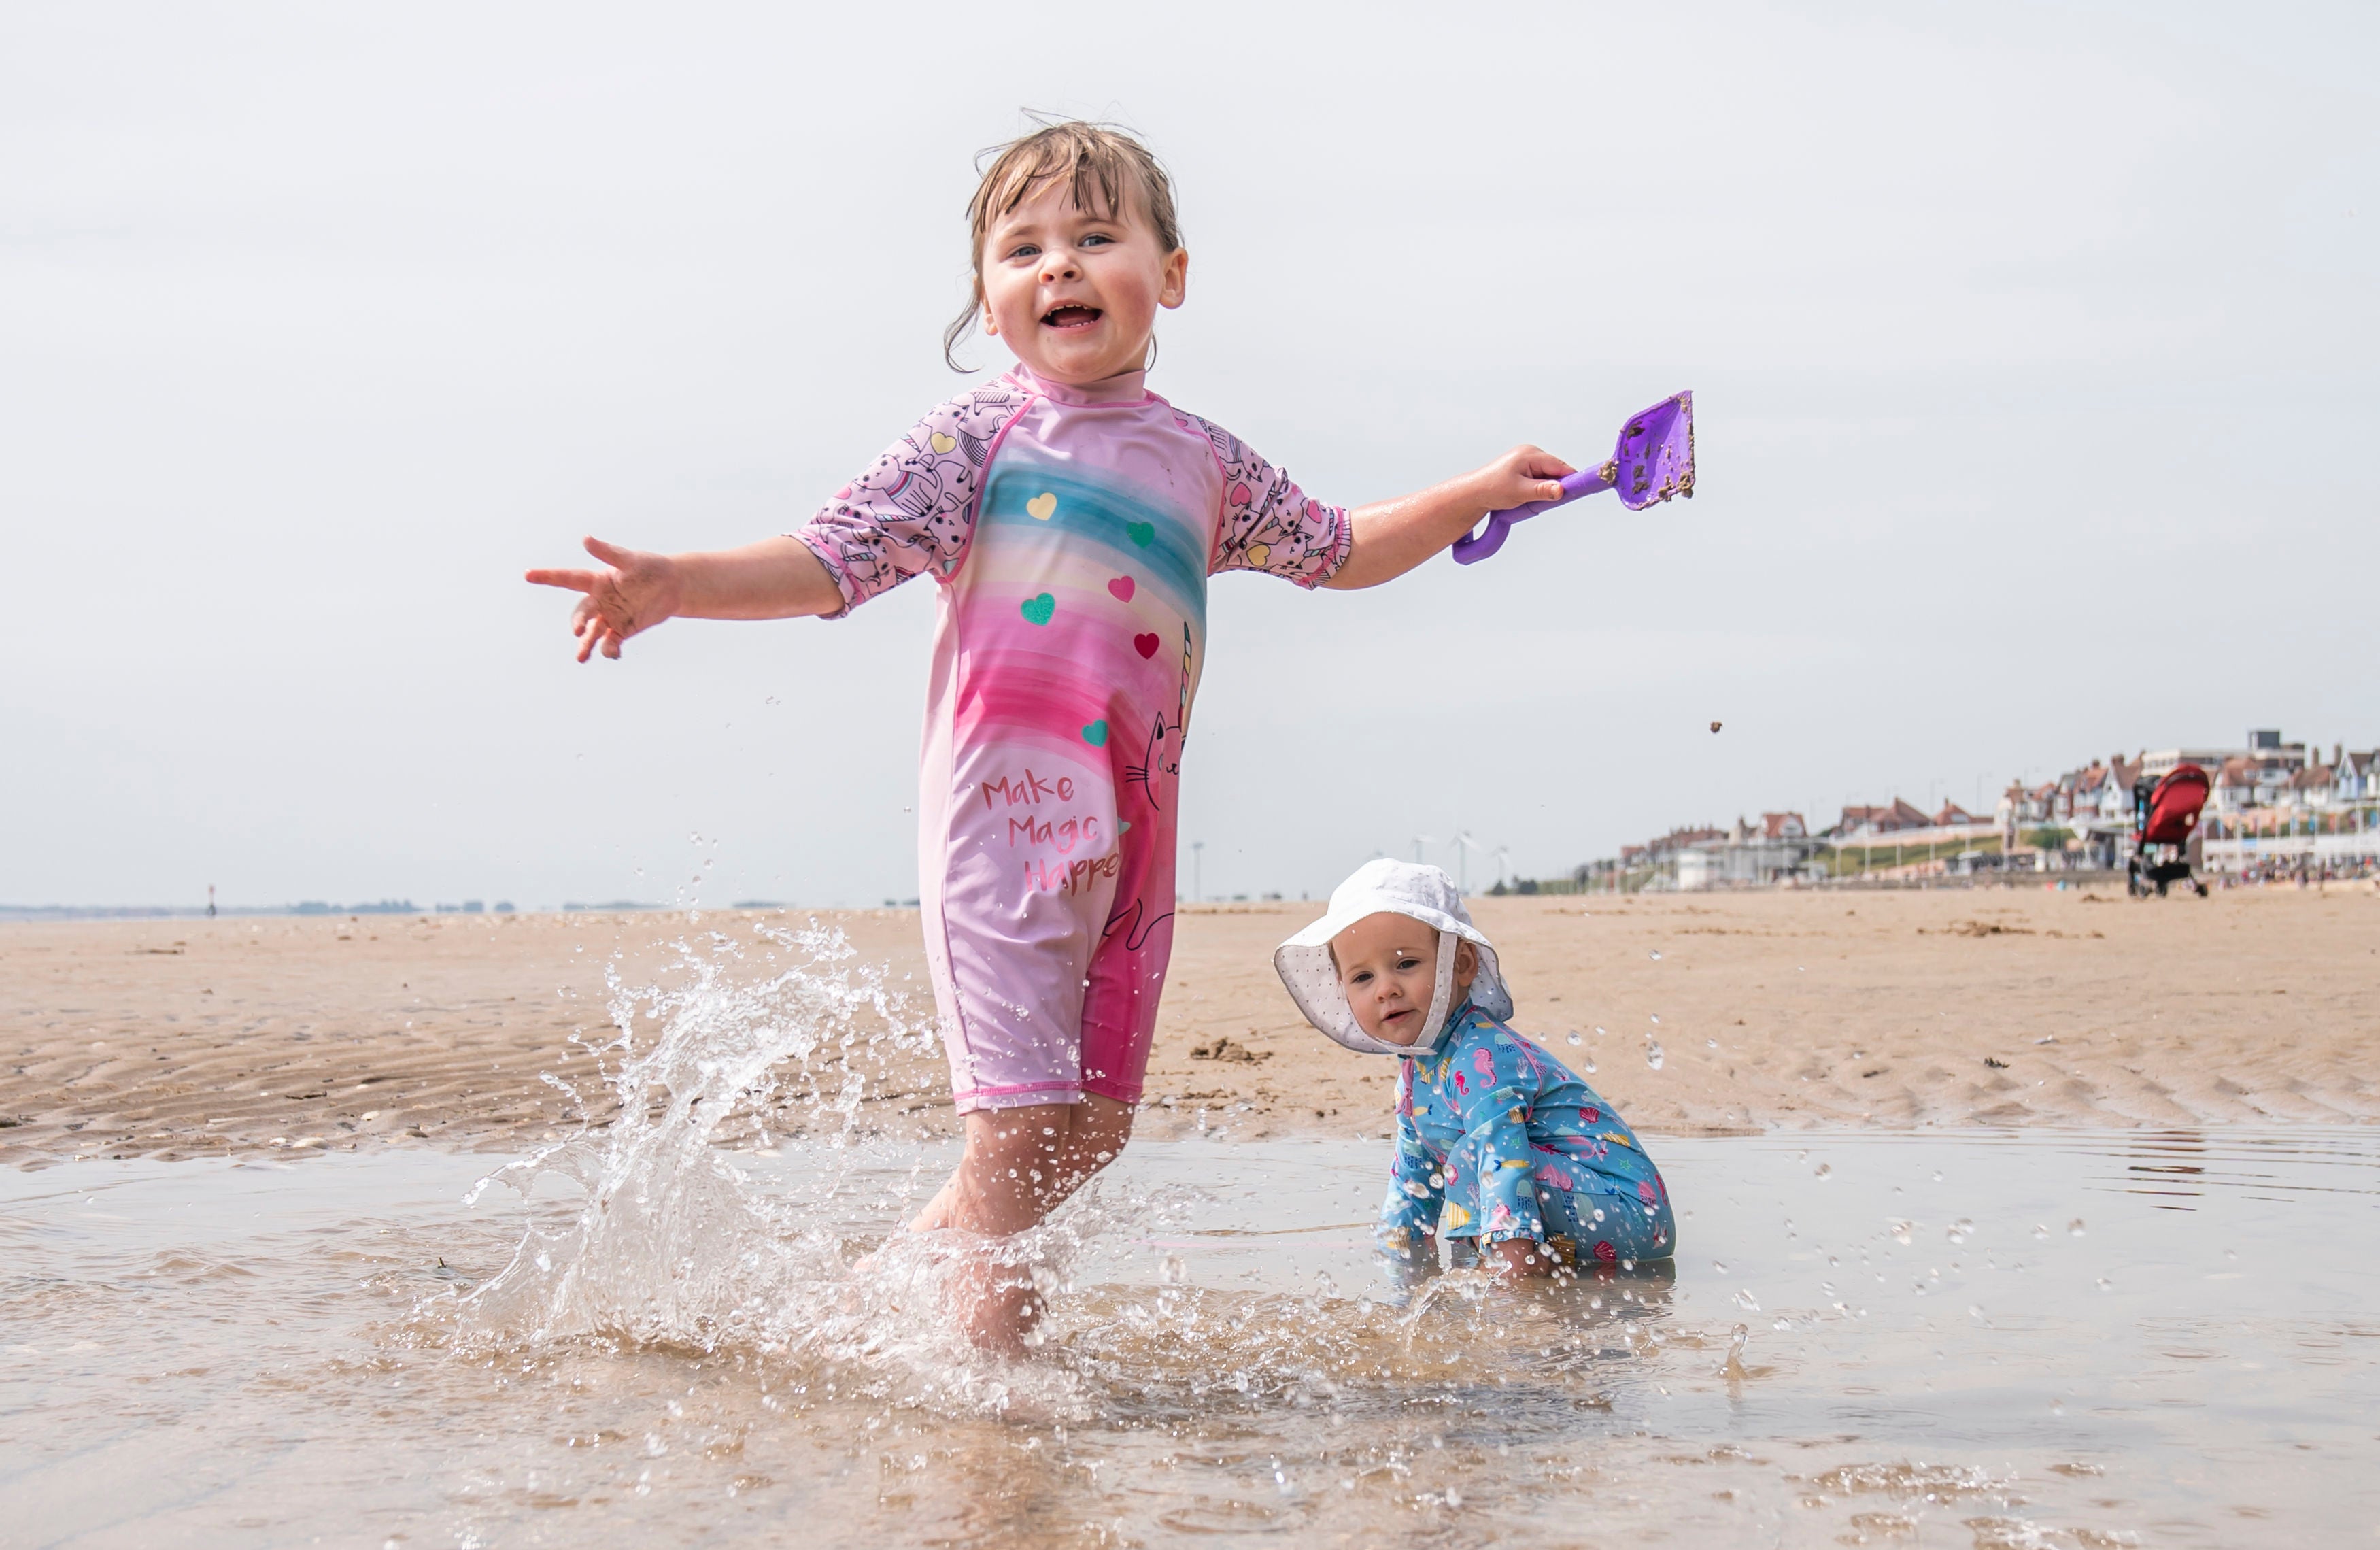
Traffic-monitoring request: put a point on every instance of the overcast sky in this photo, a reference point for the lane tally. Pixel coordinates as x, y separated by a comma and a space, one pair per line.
2033, 350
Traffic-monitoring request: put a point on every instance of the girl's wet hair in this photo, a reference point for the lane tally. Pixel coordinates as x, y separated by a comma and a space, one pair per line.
1102, 164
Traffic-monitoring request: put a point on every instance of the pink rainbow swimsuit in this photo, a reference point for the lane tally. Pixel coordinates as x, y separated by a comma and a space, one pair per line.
1073, 530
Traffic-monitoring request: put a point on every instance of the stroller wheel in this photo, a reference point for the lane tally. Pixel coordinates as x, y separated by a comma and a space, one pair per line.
2160, 887
2200, 887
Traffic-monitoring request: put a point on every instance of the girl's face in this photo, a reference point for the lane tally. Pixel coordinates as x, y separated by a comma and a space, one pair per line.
1074, 292
1388, 966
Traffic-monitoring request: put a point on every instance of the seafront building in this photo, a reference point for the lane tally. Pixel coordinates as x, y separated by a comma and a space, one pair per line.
2274, 808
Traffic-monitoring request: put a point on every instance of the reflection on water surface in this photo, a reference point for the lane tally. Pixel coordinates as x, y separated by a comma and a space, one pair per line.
2065, 1338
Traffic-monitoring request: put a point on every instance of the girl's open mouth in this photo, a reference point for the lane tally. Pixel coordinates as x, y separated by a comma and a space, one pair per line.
1070, 317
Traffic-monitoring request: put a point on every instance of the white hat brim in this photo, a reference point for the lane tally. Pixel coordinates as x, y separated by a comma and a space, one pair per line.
1305, 964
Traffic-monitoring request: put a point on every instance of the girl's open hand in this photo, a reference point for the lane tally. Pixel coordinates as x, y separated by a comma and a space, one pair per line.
635, 591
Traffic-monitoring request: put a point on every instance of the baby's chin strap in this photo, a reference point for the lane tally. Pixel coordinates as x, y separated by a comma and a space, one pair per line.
1440, 998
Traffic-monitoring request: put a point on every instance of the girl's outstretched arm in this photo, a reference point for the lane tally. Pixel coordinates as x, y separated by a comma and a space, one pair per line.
775, 578
1391, 537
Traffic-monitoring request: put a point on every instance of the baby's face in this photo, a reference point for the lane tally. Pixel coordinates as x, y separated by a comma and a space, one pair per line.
1074, 292
1388, 966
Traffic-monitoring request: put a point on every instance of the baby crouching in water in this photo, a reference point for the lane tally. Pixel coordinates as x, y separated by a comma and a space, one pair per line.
1497, 1142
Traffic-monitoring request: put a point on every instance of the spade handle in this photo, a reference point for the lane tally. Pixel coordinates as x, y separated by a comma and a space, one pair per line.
1470, 548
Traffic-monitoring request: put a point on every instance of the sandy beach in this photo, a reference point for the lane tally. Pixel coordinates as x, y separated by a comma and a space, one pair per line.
1953, 1008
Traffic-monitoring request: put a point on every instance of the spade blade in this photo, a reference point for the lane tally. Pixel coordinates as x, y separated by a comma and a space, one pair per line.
1655, 459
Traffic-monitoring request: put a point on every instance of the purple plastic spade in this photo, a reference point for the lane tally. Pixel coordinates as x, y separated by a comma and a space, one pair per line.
1654, 459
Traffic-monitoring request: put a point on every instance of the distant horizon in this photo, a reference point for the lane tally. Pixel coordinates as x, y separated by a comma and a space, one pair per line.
466, 907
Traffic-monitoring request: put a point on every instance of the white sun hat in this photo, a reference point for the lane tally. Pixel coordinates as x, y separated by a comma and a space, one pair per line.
1386, 887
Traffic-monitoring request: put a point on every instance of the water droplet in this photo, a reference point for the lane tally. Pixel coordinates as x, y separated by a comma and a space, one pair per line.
1653, 1057
1657, 955
1171, 1271
2106, 1285
1720, 1266
1901, 1231
1712, 1043
1974, 1309
1657, 1019
1745, 1300
1454, 1496
2074, 1228
1589, 1063
1824, 1171
1573, 1039
1959, 1230
1598, 1031
770, 700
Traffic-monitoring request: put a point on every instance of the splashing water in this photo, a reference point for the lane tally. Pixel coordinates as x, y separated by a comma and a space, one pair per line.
1653, 1055
682, 1236
673, 1243
1732, 1367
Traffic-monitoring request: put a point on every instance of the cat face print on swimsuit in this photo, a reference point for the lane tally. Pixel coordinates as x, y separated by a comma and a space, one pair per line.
1074, 292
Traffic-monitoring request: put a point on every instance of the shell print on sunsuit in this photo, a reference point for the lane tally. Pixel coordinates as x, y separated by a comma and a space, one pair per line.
1073, 530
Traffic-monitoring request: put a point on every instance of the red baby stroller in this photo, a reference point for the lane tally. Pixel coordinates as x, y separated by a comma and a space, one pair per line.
2165, 816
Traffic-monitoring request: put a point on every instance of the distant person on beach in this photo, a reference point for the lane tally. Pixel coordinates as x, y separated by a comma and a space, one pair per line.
1071, 518
1501, 1148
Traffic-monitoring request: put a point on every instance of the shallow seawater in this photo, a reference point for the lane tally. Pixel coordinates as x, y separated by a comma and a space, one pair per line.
2048, 1338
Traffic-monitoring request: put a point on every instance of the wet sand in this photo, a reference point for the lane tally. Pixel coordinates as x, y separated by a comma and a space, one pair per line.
1954, 1007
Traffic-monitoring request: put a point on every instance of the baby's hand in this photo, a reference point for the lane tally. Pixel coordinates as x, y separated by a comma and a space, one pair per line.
635, 592
1522, 475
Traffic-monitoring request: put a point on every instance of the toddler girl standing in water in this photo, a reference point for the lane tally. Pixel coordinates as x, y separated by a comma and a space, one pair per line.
1071, 518
1497, 1143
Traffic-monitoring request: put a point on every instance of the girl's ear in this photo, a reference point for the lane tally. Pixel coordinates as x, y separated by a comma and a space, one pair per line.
1174, 286
991, 323
1466, 965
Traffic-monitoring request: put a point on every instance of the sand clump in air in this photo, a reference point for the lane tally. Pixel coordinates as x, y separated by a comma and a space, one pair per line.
1985, 1007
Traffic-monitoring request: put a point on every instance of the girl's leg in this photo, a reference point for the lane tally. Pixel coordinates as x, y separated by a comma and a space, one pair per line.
1019, 1165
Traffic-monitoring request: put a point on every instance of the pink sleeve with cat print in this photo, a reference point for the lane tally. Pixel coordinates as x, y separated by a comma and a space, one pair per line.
1269, 524
913, 509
